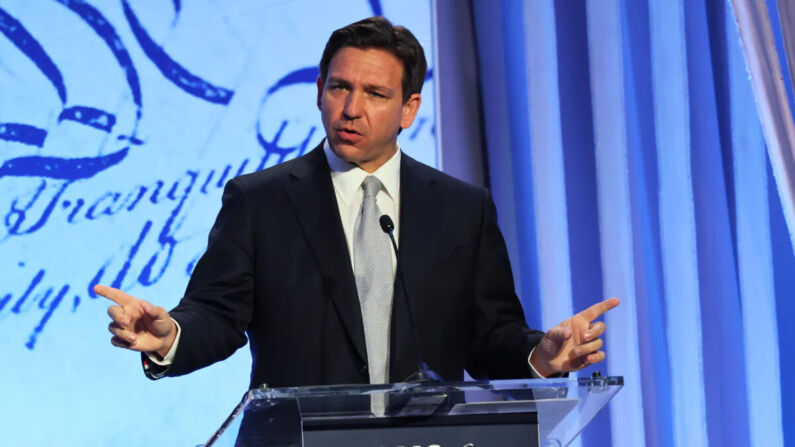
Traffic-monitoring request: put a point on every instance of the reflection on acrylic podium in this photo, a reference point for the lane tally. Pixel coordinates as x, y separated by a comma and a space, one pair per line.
500, 413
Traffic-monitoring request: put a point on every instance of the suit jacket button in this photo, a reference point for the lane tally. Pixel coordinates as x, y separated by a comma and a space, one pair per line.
363, 370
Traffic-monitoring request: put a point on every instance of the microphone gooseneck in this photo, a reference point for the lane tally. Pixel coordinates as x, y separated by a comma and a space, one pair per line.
423, 373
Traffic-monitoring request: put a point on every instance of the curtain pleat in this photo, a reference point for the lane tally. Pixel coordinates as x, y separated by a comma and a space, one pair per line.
756, 280
677, 221
615, 212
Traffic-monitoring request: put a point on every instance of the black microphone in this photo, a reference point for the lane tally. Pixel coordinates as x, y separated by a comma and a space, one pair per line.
423, 372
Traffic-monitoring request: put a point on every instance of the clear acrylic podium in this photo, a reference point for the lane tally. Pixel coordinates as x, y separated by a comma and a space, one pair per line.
500, 413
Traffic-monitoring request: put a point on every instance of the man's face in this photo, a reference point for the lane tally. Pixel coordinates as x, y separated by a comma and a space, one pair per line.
361, 105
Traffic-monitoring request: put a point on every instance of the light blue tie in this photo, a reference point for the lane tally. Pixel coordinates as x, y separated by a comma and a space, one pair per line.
372, 267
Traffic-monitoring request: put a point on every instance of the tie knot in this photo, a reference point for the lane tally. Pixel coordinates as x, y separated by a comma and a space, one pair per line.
371, 185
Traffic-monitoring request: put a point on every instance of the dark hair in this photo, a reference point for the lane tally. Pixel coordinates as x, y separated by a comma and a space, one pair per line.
378, 32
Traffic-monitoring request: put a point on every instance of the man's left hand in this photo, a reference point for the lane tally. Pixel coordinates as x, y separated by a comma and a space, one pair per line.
573, 344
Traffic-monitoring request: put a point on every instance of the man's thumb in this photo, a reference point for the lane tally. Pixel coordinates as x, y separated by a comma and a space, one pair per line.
152, 310
559, 333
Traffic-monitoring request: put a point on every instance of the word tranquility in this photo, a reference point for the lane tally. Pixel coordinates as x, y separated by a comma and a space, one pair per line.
50, 202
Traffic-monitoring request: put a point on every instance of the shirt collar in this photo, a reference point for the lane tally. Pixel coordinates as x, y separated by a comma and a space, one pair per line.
347, 177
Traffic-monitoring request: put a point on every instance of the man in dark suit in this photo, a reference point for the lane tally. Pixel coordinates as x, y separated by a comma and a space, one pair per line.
296, 260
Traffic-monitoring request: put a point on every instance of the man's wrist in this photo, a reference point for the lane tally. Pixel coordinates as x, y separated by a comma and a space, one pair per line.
538, 366
163, 352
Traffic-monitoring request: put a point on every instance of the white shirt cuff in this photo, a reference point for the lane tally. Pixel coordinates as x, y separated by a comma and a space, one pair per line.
533, 371
169, 358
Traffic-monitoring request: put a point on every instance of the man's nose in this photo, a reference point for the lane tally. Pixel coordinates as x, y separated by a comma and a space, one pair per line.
353, 105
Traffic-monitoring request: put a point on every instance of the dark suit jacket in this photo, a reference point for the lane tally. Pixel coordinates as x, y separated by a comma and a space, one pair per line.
277, 268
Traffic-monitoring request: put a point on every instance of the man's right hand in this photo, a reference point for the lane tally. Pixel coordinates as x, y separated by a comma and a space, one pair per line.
137, 324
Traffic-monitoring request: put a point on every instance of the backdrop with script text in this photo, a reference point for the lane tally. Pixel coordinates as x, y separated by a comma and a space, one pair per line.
120, 123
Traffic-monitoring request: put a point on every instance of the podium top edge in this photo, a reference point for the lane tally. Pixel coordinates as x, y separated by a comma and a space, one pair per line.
440, 387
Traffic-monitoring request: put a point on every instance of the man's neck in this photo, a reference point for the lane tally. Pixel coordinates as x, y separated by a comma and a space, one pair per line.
368, 166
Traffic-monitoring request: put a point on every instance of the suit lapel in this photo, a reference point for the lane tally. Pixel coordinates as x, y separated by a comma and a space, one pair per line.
311, 194
414, 212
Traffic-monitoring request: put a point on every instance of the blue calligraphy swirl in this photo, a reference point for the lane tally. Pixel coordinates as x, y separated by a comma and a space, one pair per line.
72, 168
23, 133
96, 118
172, 70
23, 40
30, 47
306, 75
375, 5
108, 34
60, 168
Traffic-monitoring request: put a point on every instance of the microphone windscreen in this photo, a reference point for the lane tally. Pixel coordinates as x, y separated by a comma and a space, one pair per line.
386, 223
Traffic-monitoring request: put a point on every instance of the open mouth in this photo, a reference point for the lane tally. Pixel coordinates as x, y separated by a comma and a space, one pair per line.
349, 134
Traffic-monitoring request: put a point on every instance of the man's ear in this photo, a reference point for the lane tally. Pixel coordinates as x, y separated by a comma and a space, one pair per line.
319, 91
409, 112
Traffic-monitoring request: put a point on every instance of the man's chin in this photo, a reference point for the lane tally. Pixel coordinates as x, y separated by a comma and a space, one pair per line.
347, 151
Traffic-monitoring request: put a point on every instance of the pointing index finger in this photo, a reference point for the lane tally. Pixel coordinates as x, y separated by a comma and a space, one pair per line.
598, 309
115, 295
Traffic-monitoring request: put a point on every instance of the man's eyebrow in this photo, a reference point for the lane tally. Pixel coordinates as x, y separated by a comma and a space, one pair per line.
369, 87
378, 87
337, 81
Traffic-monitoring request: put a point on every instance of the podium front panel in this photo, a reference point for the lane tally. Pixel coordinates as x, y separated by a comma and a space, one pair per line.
532, 412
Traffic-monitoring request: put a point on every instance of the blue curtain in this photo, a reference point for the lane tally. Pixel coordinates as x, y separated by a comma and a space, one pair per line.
627, 158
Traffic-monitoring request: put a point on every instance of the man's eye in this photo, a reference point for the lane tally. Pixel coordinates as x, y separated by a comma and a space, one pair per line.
377, 95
